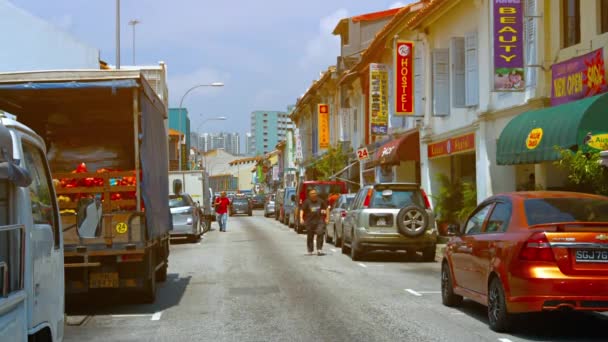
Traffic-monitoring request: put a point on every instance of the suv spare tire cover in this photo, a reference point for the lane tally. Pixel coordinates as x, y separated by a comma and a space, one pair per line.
412, 221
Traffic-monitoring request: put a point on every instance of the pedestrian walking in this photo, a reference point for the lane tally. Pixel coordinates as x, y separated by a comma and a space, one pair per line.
314, 216
221, 210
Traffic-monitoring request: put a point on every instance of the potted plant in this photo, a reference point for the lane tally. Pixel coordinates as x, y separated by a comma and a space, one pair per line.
448, 202
469, 201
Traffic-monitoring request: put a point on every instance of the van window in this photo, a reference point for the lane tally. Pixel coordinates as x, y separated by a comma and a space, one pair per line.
41, 190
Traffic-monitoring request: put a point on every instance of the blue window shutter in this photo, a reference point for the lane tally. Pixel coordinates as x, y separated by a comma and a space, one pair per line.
530, 38
472, 69
458, 72
441, 82
419, 80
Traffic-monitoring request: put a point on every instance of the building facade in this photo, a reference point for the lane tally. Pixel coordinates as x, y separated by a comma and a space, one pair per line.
230, 142
268, 128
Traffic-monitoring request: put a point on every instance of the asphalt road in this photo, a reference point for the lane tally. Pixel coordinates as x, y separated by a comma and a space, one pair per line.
256, 283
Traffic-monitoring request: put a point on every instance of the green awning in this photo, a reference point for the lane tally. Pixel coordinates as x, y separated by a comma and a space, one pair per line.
531, 137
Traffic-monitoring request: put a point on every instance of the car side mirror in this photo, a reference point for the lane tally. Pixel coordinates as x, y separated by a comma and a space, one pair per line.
453, 230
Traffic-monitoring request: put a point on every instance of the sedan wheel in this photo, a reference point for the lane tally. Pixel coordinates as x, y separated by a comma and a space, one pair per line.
355, 252
337, 241
499, 317
448, 297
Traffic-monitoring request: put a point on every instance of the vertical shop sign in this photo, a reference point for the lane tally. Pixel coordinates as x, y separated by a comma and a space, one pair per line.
378, 98
323, 111
299, 152
404, 78
509, 45
579, 77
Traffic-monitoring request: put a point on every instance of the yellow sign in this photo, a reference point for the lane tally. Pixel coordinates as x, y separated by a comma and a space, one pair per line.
121, 228
599, 142
323, 133
534, 138
378, 98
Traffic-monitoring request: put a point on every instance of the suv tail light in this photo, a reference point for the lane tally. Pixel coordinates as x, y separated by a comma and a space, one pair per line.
344, 213
537, 248
368, 198
427, 203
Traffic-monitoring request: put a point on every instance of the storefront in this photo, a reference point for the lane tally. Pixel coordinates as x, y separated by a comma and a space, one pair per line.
530, 140
399, 159
454, 158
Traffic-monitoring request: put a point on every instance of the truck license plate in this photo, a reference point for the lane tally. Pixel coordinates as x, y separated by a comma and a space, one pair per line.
103, 280
589, 255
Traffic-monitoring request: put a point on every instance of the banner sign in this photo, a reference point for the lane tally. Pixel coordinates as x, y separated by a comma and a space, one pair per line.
185, 158
299, 152
290, 153
578, 78
323, 120
509, 45
275, 173
404, 78
378, 98
463, 143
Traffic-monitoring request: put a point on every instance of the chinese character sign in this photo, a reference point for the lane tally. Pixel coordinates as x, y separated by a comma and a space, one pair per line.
323, 111
404, 78
378, 98
509, 45
578, 78
299, 151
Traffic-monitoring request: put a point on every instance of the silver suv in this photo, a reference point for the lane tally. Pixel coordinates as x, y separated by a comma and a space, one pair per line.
390, 216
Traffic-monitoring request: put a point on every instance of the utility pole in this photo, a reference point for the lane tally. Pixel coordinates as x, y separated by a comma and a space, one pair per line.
133, 23
117, 34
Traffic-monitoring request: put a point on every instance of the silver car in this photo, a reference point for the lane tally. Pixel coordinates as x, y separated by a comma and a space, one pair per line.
185, 214
390, 216
269, 206
336, 218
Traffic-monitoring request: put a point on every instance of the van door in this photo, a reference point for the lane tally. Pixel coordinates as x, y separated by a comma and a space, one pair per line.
46, 243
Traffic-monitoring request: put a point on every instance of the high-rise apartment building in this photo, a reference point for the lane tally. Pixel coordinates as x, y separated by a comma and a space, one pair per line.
249, 145
229, 142
268, 128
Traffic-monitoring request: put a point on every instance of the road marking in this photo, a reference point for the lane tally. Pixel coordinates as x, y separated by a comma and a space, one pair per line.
334, 250
131, 315
429, 292
504, 340
156, 316
362, 264
413, 292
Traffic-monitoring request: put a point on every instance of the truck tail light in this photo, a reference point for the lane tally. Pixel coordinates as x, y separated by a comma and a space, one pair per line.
537, 248
130, 258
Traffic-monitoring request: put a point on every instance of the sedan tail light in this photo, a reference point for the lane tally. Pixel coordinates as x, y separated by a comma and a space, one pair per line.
427, 203
343, 213
537, 248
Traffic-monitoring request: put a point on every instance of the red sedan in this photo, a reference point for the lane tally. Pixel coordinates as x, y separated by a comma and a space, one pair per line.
530, 252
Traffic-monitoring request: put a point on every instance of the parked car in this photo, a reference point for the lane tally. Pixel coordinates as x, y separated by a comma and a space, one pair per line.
185, 215
289, 205
269, 206
241, 205
278, 204
258, 201
530, 252
390, 216
336, 217
324, 189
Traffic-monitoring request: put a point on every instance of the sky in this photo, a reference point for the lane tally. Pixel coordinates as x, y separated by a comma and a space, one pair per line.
267, 52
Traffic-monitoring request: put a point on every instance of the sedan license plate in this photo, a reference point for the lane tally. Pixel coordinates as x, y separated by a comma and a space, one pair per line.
590, 255
103, 280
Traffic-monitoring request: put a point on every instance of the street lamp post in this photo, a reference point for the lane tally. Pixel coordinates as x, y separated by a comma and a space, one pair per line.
133, 23
181, 102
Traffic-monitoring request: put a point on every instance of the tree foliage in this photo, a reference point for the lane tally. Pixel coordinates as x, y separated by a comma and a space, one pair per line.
585, 173
334, 160
456, 199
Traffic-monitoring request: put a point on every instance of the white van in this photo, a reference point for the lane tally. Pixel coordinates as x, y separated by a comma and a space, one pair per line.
31, 243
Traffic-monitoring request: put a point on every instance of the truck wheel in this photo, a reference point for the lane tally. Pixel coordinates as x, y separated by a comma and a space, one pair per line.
161, 274
149, 291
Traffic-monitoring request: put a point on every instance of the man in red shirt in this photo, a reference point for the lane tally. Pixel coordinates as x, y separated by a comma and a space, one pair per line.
221, 209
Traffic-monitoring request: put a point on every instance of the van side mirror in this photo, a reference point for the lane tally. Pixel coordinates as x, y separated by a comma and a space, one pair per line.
453, 229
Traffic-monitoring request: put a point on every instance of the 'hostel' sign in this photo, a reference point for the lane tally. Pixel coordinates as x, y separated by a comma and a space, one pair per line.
404, 78
323, 125
509, 45
578, 78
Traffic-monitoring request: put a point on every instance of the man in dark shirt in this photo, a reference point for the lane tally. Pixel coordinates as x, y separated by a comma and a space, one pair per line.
314, 216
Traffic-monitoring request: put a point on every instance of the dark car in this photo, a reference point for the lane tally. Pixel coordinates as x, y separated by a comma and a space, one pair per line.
241, 206
258, 201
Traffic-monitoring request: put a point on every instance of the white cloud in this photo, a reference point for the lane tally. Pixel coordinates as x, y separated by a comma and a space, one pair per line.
265, 98
323, 49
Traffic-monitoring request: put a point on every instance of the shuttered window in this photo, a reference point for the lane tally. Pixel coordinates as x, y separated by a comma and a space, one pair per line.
530, 31
458, 72
419, 69
471, 66
441, 82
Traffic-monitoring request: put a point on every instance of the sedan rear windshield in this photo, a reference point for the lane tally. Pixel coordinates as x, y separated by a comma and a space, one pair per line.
178, 201
553, 210
399, 199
